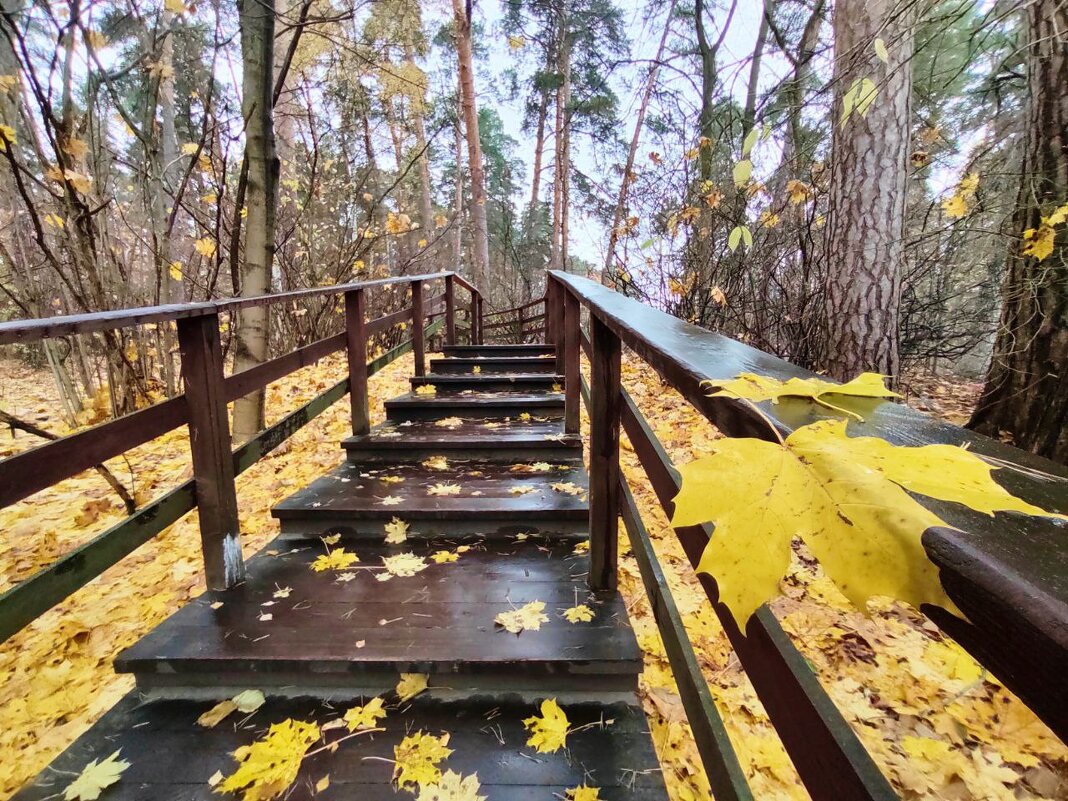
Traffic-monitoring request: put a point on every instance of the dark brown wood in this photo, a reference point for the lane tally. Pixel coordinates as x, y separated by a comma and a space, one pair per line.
418, 317
172, 758
569, 354
480, 404
494, 364
604, 456
450, 310
490, 382
551, 289
387, 321
439, 621
356, 340
241, 384
209, 442
47, 327
494, 351
479, 319
28, 472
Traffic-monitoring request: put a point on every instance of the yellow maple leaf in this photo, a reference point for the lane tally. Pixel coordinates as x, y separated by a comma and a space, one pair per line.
443, 489
417, 757
567, 487
190, 148
367, 716
404, 564
396, 531
578, 614
955, 206
761, 388
175, 270
94, 777
392, 500
583, 793
845, 497
529, 616
337, 559
269, 765
443, 557
449, 422
76, 148
548, 732
175, 6
205, 246
436, 463
426, 389
798, 192
1039, 244
452, 787
410, 685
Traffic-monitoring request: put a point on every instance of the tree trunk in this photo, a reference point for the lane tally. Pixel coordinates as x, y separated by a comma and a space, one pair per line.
866, 209
458, 187
1026, 392
251, 340
539, 149
479, 222
561, 166
426, 203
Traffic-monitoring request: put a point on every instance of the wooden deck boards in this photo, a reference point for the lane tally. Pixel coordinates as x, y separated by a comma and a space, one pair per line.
172, 758
506, 364
438, 621
545, 405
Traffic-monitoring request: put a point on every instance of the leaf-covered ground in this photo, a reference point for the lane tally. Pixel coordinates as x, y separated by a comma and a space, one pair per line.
937, 724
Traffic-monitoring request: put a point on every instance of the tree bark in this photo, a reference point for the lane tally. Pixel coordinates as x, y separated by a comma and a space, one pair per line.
261, 198
1026, 392
866, 210
479, 221
561, 157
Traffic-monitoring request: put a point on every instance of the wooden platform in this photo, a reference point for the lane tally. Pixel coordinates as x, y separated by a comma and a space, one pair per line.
172, 758
492, 496
490, 382
349, 627
500, 364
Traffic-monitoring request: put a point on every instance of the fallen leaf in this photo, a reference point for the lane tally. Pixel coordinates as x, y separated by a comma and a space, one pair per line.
529, 616
578, 614
417, 757
365, 717
396, 531
548, 732
94, 778
452, 787
270, 765
410, 685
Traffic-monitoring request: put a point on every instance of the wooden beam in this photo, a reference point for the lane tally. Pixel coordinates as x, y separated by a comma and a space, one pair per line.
604, 456
571, 354
450, 310
418, 340
356, 340
209, 442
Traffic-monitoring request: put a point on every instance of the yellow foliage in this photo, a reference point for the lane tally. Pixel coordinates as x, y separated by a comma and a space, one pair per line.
94, 778
205, 246
761, 388
410, 685
336, 559
417, 757
579, 614
367, 716
529, 616
452, 787
548, 732
269, 765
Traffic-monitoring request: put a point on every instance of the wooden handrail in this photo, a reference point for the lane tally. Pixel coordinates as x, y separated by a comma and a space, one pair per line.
1015, 598
47, 327
515, 309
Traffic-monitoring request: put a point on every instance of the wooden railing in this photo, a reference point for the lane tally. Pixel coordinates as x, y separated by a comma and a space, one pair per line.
518, 324
203, 407
1007, 574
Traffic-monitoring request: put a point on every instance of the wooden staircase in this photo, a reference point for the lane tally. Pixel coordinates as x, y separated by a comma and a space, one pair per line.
512, 531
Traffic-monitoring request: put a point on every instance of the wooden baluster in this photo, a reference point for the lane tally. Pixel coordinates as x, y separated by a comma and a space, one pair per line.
356, 338
605, 404
209, 442
551, 288
571, 352
559, 291
418, 323
479, 340
450, 311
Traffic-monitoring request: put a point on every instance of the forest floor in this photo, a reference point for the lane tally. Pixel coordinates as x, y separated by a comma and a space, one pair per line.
935, 722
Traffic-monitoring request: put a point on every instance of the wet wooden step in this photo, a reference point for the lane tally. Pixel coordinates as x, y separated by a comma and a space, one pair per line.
480, 405
490, 382
509, 440
490, 351
349, 627
172, 758
495, 364
485, 497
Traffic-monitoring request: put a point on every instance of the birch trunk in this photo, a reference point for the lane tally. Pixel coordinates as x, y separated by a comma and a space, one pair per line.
252, 333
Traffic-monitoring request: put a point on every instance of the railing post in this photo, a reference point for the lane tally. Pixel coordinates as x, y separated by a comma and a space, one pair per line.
571, 352
418, 337
450, 310
557, 313
476, 303
356, 339
605, 404
551, 288
209, 442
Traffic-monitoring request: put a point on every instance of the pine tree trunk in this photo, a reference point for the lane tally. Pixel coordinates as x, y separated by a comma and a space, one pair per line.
477, 211
866, 210
561, 165
539, 149
252, 334
1026, 392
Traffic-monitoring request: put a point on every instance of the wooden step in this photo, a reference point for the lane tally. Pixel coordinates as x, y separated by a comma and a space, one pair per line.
496, 364
490, 351
482, 405
348, 628
172, 758
491, 440
490, 382
493, 498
